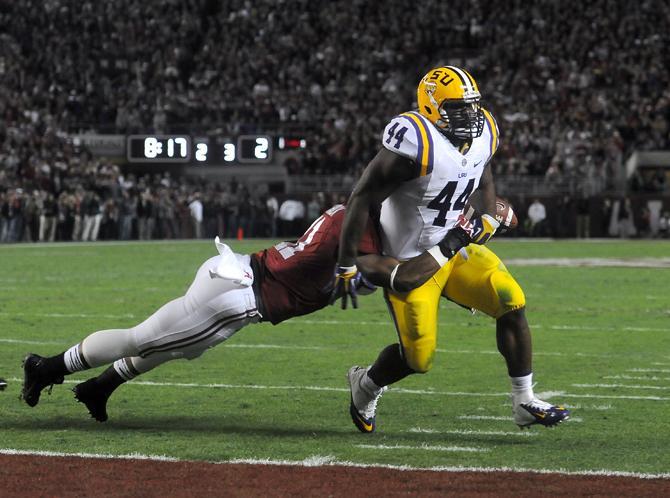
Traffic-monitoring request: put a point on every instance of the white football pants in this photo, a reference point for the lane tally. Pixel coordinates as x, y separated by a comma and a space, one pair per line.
210, 312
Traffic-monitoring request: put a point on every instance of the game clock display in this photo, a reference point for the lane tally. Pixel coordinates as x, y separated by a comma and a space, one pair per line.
185, 149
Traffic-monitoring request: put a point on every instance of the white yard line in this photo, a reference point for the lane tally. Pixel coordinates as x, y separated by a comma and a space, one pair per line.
607, 396
65, 342
604, 386
421, 392
658, 370
346, 323
635, 377
327, 460
230, 345
469, 432
577, 406
36, 343
484, 417
274, 346
423, 447
69, 315
591, 262
104, 456
506, 419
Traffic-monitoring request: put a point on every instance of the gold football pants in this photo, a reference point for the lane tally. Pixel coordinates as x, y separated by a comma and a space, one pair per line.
479, 281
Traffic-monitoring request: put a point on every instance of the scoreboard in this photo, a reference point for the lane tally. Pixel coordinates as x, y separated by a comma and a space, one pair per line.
254, 149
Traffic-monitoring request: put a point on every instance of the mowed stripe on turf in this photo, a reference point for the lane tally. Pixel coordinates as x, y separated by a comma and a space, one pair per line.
322, 461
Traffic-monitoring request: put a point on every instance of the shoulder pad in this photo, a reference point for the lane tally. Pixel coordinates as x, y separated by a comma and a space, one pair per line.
409, 135
492, 126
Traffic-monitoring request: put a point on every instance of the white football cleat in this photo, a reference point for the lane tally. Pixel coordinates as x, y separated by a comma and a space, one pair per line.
540, 412
363, 406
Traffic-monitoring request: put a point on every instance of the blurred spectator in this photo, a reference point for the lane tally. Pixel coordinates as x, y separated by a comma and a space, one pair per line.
664, 225
92, 216
146, 215
291, 217
195, 206
245, 213
165, 215
314, 208
48, 218
537, 214
273, 212
128, 213
583, 217
626, 223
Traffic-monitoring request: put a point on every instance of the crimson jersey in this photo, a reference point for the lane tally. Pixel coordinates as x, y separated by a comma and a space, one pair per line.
296, 278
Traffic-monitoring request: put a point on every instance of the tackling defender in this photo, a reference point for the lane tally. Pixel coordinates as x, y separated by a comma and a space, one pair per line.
229, 292
430, 163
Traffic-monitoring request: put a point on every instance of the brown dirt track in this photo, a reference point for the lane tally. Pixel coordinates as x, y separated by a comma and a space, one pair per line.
73, 476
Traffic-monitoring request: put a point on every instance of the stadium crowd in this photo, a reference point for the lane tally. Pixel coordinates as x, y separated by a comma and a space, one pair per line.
575, 86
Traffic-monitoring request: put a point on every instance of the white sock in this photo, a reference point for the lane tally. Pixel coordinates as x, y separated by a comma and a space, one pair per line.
522, 388
74, 359
368, 384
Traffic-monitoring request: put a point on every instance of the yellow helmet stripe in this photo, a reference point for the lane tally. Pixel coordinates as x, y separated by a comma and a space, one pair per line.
493, 130
425, 152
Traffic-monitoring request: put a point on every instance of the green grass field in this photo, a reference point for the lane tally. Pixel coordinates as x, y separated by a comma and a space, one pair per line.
601, 340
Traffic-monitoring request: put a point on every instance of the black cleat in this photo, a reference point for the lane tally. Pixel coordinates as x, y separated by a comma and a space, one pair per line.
3, 384
35, 378
93, 397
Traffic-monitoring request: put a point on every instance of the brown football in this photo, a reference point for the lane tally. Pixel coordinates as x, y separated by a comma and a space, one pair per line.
504, 212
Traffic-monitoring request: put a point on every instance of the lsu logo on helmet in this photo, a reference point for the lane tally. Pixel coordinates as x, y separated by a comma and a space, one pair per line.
449, 98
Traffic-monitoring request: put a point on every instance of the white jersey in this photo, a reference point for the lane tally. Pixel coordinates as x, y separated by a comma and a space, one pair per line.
421, 211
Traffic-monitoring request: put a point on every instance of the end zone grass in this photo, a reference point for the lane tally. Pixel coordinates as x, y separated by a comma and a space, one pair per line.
601, 340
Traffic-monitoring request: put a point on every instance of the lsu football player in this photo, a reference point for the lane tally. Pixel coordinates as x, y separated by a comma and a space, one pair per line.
430, 162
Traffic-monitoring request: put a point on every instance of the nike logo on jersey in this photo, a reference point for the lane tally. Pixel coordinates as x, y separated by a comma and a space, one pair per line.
477, 164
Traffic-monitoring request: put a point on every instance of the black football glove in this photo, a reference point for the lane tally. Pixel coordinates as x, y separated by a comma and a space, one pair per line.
456, 239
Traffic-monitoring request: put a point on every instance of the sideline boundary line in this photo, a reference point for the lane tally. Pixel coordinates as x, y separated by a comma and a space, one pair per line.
324, 461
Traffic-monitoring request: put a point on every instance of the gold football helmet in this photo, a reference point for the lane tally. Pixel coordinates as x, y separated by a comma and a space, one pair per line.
449, 98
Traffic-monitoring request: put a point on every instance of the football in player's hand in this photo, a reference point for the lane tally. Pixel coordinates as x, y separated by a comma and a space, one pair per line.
505, 215
504, 212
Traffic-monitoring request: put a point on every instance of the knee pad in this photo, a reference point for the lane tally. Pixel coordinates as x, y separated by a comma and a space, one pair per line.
420, 361
508, 291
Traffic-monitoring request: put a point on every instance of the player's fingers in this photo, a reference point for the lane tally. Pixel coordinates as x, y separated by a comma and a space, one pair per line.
333, 295
354, 298
336, 292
